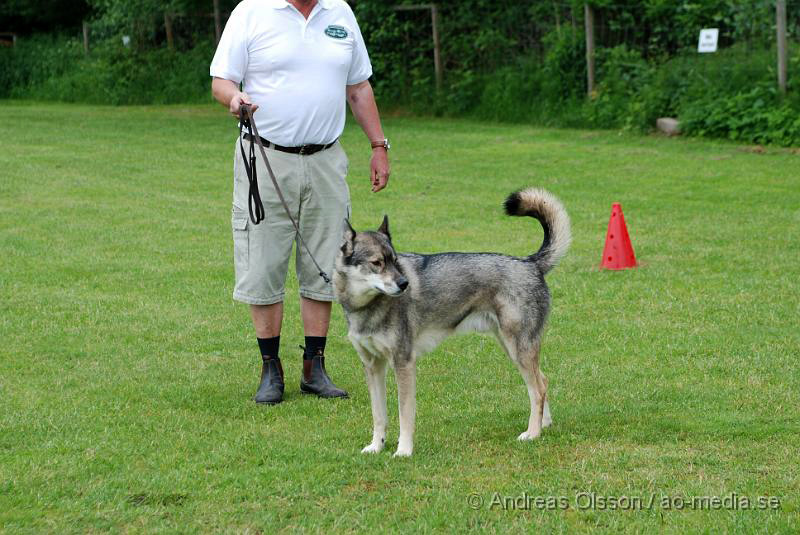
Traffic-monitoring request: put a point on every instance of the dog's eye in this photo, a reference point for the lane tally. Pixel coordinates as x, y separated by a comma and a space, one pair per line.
376, 263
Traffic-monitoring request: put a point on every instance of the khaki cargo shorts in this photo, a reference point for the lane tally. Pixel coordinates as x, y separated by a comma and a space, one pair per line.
315, 189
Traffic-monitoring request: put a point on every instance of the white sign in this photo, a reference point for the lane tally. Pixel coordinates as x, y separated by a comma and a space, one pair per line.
708, 40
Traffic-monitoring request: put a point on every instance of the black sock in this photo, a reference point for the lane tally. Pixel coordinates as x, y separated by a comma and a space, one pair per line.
314, 345
269, 347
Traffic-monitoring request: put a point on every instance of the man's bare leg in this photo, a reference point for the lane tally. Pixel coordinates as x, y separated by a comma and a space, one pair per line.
316, 316
267, 319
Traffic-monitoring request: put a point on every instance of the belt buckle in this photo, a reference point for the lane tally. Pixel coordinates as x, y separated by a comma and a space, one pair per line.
303, 150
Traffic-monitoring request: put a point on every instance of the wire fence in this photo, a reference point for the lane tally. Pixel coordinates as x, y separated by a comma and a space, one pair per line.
421, 43
748, 31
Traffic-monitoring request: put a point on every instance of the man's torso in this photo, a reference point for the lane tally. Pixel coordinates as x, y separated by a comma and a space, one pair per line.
297, 69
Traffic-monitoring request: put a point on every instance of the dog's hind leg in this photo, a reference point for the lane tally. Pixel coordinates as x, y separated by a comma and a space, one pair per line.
375, 371
527, 362
407, 396
547, 420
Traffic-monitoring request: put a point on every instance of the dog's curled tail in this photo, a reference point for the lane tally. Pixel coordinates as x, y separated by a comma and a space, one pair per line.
545, 207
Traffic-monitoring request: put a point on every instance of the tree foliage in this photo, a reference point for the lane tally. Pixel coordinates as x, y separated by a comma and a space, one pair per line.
503, 59
28, 16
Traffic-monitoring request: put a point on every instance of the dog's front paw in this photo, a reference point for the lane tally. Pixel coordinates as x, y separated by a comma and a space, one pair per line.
373, 448
528, 435
404, 447
402, 452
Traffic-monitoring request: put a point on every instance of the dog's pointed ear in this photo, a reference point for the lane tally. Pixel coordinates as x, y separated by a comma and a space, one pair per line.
349, 236
384, 228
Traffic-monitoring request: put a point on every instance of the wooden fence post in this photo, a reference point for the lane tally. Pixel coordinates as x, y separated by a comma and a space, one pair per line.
437, 56
780, 16
437, 53
217, 21
168, 28
589, 18
558, 20
85, 37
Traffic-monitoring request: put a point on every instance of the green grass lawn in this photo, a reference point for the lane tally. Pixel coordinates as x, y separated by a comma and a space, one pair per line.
126, 370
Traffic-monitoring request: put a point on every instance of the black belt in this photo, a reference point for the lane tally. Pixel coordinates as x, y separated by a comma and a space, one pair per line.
302, 149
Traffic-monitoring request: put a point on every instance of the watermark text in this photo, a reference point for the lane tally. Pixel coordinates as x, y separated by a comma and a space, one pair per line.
594, 501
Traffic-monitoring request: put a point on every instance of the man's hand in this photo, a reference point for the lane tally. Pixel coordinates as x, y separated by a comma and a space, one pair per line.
227, 93
379, 169
362, 103
236, 103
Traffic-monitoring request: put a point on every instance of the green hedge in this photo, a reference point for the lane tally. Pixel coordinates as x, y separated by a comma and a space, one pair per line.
730, 94
49, 68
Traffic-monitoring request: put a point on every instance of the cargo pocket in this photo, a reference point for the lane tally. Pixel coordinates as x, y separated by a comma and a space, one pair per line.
241, 242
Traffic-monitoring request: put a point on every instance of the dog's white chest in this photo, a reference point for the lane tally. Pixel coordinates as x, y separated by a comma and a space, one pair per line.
378, 345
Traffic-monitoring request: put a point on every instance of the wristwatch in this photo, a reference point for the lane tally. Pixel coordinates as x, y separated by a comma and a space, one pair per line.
382, 143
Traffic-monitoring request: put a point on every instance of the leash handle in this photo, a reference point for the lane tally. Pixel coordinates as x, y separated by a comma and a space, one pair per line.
254, 204
246, 120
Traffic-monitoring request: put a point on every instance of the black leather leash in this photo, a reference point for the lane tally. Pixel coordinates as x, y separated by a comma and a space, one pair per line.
254, 203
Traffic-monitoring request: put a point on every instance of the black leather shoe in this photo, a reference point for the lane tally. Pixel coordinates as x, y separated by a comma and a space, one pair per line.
315, 379
270, 391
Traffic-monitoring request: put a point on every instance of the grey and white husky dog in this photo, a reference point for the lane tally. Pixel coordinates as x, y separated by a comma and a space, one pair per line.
400, 306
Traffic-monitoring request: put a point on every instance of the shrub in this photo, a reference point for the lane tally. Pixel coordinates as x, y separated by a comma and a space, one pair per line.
57, 69
34, 61
730, 94
756, 115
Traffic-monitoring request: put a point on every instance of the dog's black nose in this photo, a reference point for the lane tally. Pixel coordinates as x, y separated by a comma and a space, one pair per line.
402, 284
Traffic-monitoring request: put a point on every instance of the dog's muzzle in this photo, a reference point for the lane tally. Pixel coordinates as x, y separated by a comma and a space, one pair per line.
402, 284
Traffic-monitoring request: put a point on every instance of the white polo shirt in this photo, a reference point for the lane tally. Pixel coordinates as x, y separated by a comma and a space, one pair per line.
295, 69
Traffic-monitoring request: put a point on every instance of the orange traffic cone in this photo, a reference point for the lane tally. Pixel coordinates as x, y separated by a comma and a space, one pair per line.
618, 252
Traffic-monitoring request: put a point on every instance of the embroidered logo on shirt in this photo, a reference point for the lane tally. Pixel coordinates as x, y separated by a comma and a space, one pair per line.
337, 32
